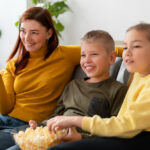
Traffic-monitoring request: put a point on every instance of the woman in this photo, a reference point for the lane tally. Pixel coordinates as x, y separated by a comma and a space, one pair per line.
33, 81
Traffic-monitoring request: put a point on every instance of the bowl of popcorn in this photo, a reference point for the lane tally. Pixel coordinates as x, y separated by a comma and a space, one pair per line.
38, 139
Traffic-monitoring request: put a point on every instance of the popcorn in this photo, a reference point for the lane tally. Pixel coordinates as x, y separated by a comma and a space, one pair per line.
38, 139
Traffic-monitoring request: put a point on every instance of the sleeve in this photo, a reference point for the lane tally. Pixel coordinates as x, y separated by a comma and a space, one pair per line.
7, 94
109, 127
59, 109
73, 53
60, 106
118, 100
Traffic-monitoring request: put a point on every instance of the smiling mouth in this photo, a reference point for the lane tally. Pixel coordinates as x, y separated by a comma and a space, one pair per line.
30, 44
129, 61
89, 68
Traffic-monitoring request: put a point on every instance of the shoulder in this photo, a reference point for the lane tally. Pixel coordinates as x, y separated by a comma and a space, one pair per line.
73, 84
143, 81
71, 53
76, 82
69, 49
11, 64
10, 68
117, 85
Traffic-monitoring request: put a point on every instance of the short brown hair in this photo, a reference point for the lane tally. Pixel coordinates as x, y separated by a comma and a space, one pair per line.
102, 36
144, 27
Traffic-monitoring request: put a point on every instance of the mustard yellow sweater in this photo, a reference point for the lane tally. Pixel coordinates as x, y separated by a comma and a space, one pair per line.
133, 117
33, 93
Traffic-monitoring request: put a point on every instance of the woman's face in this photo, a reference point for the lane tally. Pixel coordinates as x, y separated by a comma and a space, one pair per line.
33, 35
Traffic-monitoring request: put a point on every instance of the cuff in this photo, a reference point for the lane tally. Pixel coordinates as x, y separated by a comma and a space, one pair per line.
86, 123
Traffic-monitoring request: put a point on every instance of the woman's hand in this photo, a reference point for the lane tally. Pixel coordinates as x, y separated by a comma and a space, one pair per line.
72, 135
32, 124
61, 122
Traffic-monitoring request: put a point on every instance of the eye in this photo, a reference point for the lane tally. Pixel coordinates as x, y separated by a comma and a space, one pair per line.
125, 48
83, 55
22, 31
94, 54
34, 32
137, 46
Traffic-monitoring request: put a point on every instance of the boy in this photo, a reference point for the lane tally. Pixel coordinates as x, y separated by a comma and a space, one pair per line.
83, 96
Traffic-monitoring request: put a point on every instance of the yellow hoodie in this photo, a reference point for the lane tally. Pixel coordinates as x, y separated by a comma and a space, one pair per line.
133, 117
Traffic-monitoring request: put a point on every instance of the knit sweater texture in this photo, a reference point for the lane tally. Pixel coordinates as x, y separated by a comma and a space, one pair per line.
33, 93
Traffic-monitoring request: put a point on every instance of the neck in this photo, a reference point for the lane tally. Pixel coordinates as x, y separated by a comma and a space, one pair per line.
94, 80
39, 53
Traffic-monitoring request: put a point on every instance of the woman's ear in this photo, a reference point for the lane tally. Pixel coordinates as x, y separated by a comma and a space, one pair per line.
49, 33
112, 57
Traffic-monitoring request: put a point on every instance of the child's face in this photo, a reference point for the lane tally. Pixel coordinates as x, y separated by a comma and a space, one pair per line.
95, 61
136, 53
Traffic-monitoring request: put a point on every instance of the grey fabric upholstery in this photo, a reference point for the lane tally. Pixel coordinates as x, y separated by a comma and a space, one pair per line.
114, 69
78, 73
123, 74
118, 71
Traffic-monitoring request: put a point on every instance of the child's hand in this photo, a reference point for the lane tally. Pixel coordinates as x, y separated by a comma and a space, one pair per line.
58, 123
61, 122
72, 135
32, 124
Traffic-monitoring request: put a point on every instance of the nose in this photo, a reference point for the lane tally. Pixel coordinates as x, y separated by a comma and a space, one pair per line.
127, 52
27, 37
87, 59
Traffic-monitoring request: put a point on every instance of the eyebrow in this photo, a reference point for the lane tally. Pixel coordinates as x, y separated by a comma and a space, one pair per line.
134, 41
31, 30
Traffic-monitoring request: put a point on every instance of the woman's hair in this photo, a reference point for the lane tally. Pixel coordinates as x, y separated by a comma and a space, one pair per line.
42, 16
142, 27
100, 36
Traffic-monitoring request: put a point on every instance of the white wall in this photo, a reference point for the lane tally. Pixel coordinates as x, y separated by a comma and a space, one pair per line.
115, 16
10, 10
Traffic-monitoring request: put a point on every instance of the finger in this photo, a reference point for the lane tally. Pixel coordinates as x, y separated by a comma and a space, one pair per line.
67, 137
51, 124
32, 124
54, 127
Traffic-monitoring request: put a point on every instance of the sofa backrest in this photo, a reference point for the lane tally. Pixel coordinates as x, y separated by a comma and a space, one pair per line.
118, 70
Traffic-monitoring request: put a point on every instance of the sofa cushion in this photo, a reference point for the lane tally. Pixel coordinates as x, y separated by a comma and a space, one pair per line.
78, 73
123, 74
114, 69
